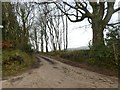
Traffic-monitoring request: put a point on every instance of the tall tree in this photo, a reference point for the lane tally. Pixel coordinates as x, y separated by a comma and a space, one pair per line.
52, 26
24, 11
11, 30
98, 16
45, 12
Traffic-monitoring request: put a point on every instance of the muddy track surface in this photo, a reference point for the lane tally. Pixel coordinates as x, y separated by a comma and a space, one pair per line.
54, 74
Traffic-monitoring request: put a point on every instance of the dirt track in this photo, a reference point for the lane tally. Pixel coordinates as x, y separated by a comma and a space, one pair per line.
54, 74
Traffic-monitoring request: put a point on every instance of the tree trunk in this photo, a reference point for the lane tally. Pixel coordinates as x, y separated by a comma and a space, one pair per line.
46, 39
115, 51
36, 41
46, 46
66, 33
54, 46
98, 36
42, 41
59, 46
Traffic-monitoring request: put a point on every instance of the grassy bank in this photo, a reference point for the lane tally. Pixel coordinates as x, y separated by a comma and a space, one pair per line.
83, 58
0, 62
16, 61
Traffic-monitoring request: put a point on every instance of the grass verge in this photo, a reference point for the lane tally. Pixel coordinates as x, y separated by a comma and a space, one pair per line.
82, 59
15, 62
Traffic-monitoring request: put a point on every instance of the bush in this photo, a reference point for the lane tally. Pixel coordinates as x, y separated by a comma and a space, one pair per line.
27, 48
78, 55
91, 61
103, 56
99, 56
15, 61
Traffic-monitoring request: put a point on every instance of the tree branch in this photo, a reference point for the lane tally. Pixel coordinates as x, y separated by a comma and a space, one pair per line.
109, 12
73, 7
68, 15
112, 24
115, 10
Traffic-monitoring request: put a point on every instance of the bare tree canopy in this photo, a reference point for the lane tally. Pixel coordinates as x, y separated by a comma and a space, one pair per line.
98, 14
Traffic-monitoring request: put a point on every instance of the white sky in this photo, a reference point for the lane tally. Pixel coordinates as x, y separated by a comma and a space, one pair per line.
78, 35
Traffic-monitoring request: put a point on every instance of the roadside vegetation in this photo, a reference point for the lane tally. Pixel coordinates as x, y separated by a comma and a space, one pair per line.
84, 59
17, 55
0, 62
15, 62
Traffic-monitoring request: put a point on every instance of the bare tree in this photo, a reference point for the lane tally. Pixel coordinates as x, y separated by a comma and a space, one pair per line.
53, 26
24, 11
98, 16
